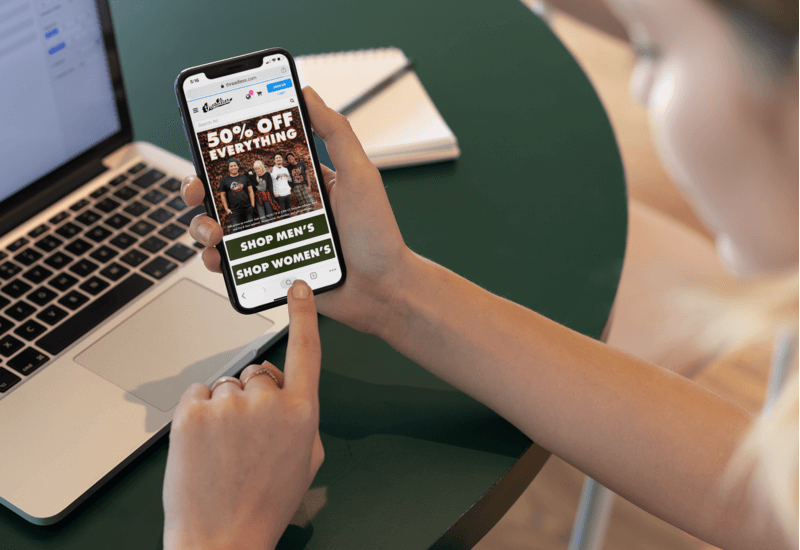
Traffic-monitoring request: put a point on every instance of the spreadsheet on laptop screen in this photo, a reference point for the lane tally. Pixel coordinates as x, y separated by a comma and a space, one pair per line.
57, 94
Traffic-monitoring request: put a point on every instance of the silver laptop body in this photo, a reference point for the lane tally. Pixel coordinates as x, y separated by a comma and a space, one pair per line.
100, 338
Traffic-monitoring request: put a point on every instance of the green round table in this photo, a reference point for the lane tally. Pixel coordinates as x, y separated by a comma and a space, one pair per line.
534, 210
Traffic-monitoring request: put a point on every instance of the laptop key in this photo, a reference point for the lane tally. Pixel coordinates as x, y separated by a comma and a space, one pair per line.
28, 361
172, 231
37, 274
99, 192
199, 246
148, 178
5, 325
114, 272
63, 281
28, 256
137, 168
118, 221
7, 380
41, 296
134, 257
20, 310
88, 217
51, 315
142, 228
58, 260
171, 184
103, 254
154, 196
107, 205
3, 255
8, 270
58, 218
93, 314
40, 230
68, 230
177, 204
180, 252
4, 301
19, 243
79, 205
126, 193
94, 286
83, 267
159, 267
30, 330
153, 244
16, 288
48, 243
123, 241
10, 345
118, 180
136, 208
78, 247
186, 217
160, 215
98, 233
73, 300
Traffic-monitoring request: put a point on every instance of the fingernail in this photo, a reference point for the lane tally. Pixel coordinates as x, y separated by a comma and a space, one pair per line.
300, 290
205, 231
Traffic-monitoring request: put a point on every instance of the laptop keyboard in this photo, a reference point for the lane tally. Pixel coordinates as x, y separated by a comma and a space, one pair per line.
68, 275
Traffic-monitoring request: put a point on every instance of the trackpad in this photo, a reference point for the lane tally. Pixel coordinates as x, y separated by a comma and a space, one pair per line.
185, 335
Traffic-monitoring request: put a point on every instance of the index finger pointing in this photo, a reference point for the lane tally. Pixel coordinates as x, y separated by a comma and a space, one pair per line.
303, 352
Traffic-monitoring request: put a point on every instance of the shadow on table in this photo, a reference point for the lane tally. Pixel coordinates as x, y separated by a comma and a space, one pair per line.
353, 409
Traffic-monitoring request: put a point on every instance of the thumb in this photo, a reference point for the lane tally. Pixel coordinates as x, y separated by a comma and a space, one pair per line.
342, 143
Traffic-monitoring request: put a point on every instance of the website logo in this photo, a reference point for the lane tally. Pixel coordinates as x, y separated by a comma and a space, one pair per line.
218, 103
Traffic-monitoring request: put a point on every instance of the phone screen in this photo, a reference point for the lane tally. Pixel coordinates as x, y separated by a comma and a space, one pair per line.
256, 152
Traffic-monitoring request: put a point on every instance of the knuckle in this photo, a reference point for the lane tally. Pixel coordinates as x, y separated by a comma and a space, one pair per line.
187, 415
303, 413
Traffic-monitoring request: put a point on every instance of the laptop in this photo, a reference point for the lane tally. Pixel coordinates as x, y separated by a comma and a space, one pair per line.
107, 313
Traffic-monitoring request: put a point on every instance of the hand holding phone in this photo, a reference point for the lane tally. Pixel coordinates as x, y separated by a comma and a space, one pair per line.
275, 229
377, 257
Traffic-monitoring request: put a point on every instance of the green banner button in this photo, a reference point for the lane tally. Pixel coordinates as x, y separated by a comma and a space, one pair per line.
285, 261
269, 238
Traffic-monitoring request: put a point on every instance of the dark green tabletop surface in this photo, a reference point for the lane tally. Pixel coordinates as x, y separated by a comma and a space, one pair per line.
534, 210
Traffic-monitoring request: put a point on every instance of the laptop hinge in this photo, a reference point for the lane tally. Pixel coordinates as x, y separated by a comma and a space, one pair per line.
37, 202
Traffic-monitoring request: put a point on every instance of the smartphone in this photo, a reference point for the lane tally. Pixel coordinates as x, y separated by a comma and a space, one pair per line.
250, 137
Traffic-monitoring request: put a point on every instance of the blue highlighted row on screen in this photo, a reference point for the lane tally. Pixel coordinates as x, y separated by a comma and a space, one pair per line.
282, 85
57, 48
51, 33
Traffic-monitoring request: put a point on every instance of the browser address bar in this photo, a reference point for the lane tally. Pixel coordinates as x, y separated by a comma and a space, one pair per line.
236, 83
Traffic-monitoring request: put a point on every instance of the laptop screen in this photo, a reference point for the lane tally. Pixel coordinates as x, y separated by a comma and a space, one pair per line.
57, 95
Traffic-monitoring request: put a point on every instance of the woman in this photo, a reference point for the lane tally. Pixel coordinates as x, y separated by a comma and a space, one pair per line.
719, 80
266, 205
281, 186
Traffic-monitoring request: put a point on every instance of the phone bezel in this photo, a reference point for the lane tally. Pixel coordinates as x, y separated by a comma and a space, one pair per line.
221, 67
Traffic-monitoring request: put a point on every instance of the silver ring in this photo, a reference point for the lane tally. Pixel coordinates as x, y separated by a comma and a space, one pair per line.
225, 379
268, 371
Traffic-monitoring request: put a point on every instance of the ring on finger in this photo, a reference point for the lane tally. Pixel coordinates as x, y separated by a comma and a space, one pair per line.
224, 379
276, 376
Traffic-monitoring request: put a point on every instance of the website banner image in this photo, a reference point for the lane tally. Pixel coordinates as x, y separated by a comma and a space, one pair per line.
260, 170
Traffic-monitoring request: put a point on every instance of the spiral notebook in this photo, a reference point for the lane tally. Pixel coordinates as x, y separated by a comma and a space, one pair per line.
398, 126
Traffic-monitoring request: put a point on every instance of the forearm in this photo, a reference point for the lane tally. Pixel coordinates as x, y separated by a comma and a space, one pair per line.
651, 436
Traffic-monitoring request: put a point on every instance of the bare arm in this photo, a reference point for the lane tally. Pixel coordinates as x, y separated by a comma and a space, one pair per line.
252, 197
654, 437
648, 434
224, 200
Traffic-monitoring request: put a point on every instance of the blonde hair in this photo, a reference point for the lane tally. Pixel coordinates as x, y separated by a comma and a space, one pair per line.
259, 163
768, 459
